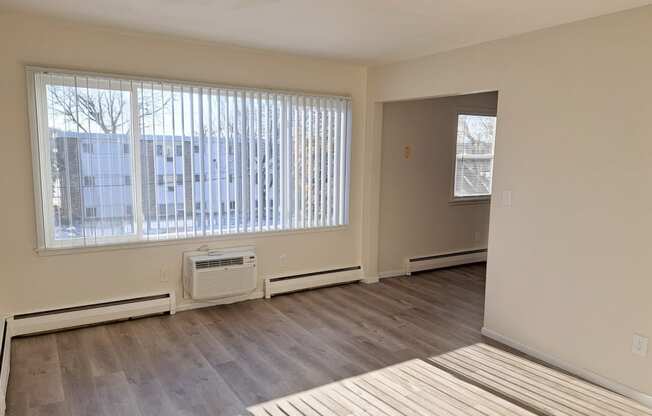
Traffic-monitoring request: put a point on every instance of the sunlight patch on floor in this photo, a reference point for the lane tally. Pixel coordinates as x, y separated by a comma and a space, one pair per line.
534, 386
475, 380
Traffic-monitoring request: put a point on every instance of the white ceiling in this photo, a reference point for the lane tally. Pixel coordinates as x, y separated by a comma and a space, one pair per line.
370, 31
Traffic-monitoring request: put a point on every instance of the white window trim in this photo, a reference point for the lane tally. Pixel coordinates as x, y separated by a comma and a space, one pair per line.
37, 123
468, 200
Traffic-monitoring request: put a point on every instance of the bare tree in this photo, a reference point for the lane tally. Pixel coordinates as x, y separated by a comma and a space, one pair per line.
103, 107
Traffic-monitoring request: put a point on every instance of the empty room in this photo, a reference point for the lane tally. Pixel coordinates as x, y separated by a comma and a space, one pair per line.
325, 208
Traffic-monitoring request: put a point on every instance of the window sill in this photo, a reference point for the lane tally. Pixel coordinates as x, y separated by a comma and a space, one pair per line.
481, 200
58, 251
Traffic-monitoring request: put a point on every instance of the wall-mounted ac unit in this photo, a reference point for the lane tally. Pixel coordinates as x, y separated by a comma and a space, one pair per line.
220, 273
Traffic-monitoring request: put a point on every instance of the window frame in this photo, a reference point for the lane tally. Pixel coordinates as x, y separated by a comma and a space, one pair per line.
38, 122
476, 199
38, 116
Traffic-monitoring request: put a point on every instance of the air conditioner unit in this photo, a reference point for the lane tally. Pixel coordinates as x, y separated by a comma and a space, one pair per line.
218, 274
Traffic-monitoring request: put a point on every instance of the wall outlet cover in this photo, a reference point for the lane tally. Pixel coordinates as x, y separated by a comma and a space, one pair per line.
640, 345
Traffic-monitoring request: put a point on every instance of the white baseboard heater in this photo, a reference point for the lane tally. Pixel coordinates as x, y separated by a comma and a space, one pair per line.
438, 261
294, 283
5, 361
83, 315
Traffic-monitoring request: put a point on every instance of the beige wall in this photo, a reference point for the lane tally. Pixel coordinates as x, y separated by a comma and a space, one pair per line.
29, 281
416, 216
569, 261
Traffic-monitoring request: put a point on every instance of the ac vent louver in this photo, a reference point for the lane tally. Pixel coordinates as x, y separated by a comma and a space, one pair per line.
219, 273
209, 264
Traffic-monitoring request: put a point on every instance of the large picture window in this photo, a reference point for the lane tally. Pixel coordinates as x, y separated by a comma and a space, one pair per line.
120, 160
474, 156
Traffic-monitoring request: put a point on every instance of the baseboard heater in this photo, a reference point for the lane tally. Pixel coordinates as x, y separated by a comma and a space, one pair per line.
294, 283
438, 261
83, 315
5, 361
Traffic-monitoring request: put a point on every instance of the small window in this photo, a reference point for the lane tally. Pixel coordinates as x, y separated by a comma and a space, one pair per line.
195, 148
197, 178
178, 150
170, 188
91, 212
160, 179
179, 179
125, 149
159, 150
474, 156
127, 180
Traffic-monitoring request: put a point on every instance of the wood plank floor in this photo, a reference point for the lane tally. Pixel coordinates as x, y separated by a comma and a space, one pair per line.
332, 351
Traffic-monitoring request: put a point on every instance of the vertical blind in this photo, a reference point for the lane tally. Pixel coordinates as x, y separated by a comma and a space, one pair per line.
124, 160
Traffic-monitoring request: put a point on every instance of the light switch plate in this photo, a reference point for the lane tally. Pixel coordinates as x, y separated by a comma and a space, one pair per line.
507, 199
640, 345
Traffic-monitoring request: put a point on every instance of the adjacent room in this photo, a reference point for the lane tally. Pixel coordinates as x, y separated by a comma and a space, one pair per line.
326, 208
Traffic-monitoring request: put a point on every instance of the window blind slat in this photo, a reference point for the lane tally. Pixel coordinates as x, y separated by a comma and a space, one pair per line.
260, 159
175, 168
237, 167
201, 134
79, 178
295, 160
227, 151
285, 158
273, 135
215, 98
329, 170
244, 155
309, 162
347, 161
239, 207
341, 199
208, 157
338, 163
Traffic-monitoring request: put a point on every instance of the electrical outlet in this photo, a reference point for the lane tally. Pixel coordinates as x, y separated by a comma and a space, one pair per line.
282, 260
639, 345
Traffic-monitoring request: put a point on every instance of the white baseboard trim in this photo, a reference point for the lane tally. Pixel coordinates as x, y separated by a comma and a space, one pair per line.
89, 314
189, 306
445, 259
5, 362
285, 284
391, 273
609, 384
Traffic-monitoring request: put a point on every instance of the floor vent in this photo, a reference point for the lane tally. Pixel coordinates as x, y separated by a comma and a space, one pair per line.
311, 280
82, 315
5, 362
438, 261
